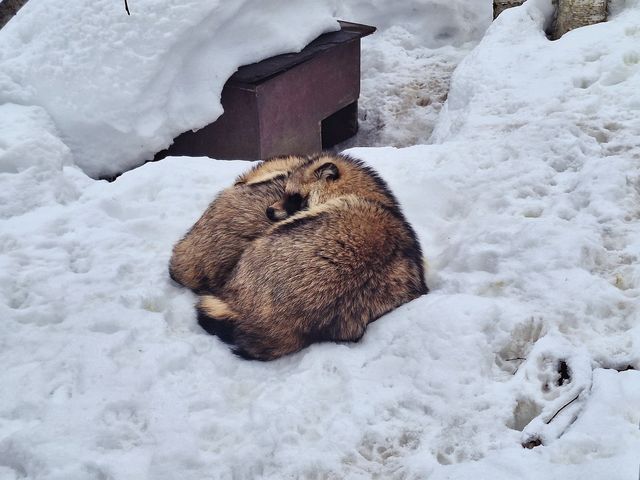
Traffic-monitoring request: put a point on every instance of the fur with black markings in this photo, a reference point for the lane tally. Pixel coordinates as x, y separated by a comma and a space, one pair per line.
204, 258
324, 272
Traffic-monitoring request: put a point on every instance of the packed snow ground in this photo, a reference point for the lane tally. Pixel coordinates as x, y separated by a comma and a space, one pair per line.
404, 85
528, 210
407, 64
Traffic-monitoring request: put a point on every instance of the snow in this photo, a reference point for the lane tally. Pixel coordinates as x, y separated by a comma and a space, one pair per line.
120, 87
434, 23
403, 88
527, 208
407, 64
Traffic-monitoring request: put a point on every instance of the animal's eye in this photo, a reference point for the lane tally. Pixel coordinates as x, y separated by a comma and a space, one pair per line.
293, 202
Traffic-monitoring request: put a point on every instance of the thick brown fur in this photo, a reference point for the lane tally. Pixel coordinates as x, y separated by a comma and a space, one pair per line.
325, 272
204, 258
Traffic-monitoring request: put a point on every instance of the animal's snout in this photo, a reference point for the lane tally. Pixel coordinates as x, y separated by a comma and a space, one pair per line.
289, 205
275, 213
271, 213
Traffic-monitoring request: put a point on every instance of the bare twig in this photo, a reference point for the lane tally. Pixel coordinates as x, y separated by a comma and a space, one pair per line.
563, 407
126, 7
513, 360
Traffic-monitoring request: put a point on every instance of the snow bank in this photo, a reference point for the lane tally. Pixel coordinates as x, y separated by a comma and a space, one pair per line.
32, 158
119, 87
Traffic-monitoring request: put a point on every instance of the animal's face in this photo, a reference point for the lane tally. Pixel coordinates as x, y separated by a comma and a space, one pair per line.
305, 187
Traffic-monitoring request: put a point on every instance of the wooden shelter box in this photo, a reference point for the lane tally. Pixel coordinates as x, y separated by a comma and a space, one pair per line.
296, 103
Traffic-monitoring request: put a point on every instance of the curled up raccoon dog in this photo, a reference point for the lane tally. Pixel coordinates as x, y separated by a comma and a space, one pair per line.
340, 255
203, 259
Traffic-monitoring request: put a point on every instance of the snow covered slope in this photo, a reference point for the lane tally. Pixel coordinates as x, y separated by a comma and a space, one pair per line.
528, 212
119, 87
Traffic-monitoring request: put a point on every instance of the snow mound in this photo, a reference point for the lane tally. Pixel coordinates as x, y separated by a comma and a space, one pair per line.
32, 158
28, 138
119, 87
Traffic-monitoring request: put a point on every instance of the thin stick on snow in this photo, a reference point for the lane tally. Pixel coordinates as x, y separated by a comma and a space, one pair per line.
126, 7
563, 407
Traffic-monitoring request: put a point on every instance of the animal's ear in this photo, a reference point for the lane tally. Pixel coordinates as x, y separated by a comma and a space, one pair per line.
328, 171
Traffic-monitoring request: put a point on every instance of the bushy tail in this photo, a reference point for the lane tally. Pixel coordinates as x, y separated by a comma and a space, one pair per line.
250, 342
216, 317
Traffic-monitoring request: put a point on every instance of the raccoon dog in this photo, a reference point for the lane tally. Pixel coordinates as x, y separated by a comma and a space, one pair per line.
341, 256
203, 259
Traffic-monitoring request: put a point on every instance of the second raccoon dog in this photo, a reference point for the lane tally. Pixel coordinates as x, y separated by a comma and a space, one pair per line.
203, 259
324, 273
